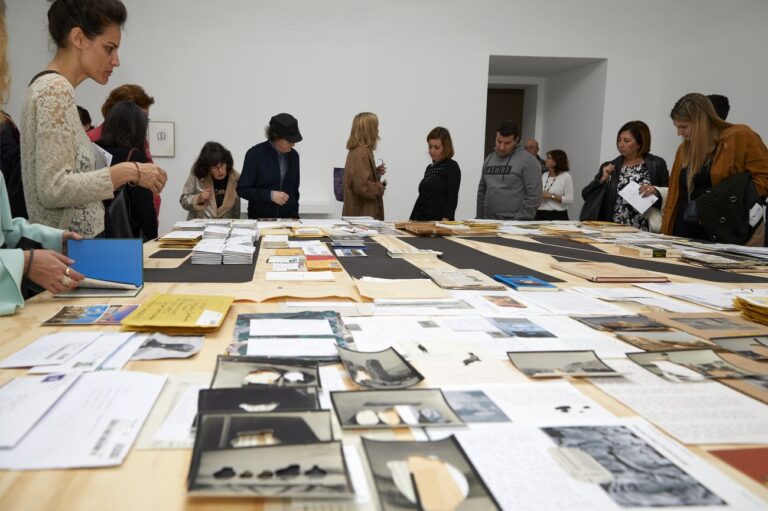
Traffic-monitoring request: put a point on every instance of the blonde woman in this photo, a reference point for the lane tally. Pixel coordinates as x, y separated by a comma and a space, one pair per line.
712, 150
363, 188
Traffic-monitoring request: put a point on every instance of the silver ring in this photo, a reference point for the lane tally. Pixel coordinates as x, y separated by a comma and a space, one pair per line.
66, 272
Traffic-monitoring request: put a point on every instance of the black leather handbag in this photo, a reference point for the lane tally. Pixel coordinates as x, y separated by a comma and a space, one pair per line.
593, 204
732, 211
119, 220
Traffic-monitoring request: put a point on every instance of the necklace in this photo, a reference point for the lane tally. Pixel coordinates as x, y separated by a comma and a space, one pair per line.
549, 184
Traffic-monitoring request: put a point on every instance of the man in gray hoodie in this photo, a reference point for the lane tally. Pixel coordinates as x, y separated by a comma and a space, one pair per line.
510, 184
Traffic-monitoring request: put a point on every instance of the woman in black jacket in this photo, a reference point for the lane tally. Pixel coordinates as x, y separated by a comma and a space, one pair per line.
123, 136
439, 188
635, 163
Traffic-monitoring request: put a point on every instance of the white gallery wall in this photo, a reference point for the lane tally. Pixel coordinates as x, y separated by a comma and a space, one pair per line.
220, 70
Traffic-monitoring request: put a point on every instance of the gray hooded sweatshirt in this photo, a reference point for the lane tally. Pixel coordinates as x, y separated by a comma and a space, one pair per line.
510, 186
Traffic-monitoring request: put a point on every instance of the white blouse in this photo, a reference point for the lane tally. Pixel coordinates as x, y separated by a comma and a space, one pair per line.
561, 184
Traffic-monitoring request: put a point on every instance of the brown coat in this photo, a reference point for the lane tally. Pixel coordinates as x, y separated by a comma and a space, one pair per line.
230, 207
362, 189
738, 149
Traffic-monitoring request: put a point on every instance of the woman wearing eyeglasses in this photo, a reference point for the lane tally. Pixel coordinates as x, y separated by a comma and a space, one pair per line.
211, 188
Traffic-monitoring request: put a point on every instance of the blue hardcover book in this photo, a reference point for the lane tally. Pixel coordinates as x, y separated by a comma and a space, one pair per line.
525, 283
111, 260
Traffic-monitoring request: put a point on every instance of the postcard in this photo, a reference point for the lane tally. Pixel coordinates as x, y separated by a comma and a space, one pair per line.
709, 325
548, 364
433, 475
233, 372
520, 327
158, 346
755, 348
315, 470
350, 252
385, 369
258, 399
663, 340
620, 323
383, 409
704, 363
90, 315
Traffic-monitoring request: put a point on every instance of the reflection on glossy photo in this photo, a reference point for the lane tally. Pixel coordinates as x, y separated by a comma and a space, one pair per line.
382, 409
538, 364
379, 370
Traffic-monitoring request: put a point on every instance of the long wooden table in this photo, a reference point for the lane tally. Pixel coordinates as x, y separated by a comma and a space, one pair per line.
156, 479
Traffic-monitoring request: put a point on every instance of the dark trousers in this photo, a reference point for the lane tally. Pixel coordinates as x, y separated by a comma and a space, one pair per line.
551, 215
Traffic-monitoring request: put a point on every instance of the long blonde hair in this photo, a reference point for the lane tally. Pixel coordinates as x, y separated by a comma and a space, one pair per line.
5, 79
706, 126
365, 131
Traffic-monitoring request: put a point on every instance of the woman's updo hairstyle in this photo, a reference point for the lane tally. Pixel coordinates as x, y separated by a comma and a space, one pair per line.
92, 16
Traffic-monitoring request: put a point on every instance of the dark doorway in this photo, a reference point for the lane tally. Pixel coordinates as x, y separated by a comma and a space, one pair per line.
502, 104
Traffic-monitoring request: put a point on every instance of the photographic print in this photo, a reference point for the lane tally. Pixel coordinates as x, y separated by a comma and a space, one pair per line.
704, 362
162, 139
709, 325
621, 323
503, 301
159, 346
641, 476
474, 406
384, 409
663, 340
519, 327
548, 364
258, 399
315, 470
385, 369
90, 315
755, 348
427, 476
257, 371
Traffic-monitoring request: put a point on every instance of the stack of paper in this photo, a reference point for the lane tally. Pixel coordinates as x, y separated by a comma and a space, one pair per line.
236, 253
208, 251
179, 314
275, 241
609, 272
753, 307
239, 232
216, 232
307, 232
189, 225
180, 239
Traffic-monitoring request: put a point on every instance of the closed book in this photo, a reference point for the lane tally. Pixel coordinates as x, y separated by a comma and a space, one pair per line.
649, 250
608, 272
525, 283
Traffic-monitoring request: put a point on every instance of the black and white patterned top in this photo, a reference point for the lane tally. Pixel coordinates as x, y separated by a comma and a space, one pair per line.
623, 213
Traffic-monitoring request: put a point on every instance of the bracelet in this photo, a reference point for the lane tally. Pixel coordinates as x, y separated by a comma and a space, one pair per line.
138, 173
29, 263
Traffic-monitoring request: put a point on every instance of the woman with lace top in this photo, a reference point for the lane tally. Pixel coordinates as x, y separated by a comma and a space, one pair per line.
61, 185
634, 163
439, 188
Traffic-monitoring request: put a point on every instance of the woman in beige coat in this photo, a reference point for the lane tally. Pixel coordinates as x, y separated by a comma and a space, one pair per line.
363, 188
211, 188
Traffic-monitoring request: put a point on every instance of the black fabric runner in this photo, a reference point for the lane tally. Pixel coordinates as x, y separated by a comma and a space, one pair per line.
562, 253
462, 256
170, 254
188, 272
378, 264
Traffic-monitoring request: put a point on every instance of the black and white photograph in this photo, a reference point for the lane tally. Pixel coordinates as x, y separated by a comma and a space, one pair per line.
159, 346
621, 323
663, 340
520, 327
474, 406
315, 470
385, 369
548, 364
234, 371
434, 475
384, 409
710, 325
705, 362
641, 476
258, 399
755, 348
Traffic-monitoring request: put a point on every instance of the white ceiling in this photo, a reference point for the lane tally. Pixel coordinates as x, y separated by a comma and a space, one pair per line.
503, 65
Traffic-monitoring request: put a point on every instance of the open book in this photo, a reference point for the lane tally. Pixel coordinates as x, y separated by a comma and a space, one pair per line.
112, 267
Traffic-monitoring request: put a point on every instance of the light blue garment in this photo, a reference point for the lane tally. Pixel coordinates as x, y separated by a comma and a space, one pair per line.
12, 259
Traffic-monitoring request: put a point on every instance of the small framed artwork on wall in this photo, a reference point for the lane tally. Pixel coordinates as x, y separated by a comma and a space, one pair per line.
162, 139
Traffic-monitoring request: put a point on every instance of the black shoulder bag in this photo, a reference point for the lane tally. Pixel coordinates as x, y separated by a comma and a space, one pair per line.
120, 223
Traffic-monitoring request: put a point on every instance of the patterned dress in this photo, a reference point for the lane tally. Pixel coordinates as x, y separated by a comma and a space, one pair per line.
623, 213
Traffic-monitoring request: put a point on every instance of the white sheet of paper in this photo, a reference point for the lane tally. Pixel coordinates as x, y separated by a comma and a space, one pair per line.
694, 413
331, 379
631, 194
119, 358
573, 303
23, 401
285, 267
291, 327
181, 235
466, 324
92, 357
51, 349
357, 474
516, 463
176, 430
308, 276
292, 347
93, 425
319, 249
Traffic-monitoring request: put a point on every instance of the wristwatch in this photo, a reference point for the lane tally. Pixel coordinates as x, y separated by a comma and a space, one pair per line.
553, 196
